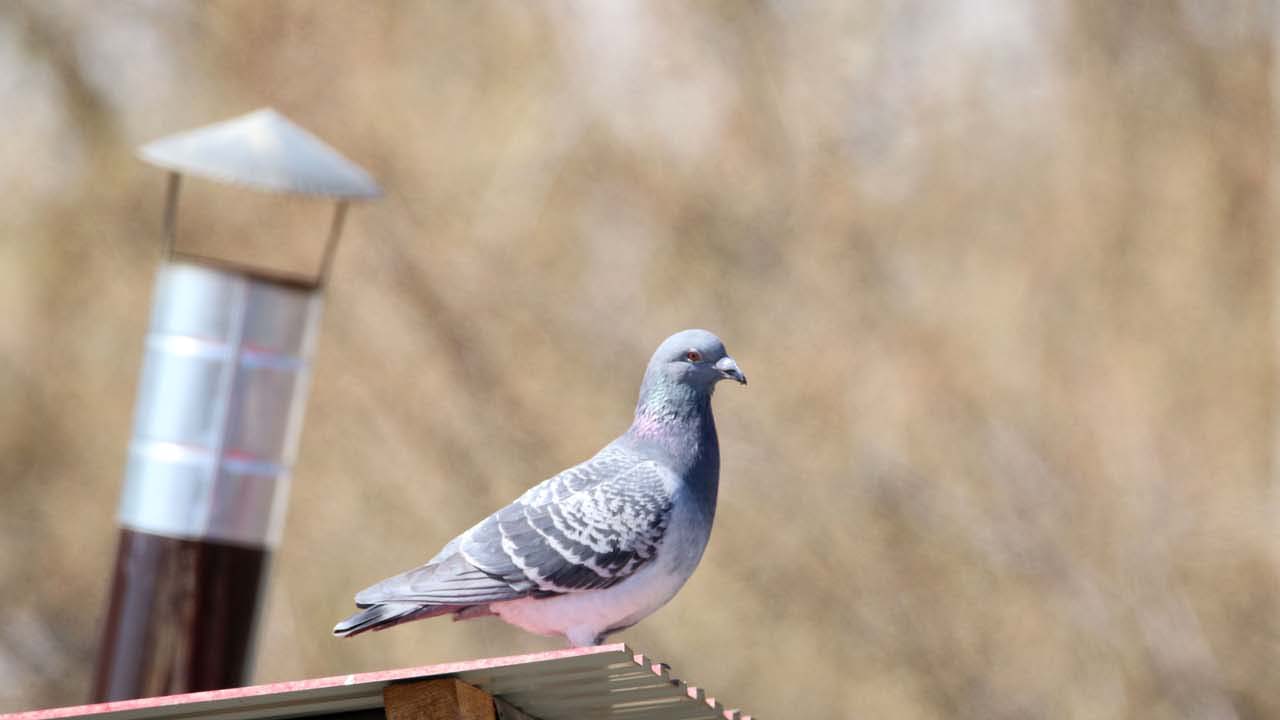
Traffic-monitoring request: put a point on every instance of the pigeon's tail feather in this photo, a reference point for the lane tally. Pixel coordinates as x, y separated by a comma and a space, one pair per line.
385, 615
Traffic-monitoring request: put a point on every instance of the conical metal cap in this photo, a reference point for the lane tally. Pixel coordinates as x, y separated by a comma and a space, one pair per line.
262, 150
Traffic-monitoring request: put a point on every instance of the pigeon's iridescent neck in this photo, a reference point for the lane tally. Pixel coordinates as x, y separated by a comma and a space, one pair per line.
665, 406
663, 427
677, 419
661, 424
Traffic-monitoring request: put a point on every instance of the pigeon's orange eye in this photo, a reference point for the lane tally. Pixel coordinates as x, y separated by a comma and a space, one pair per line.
693, 356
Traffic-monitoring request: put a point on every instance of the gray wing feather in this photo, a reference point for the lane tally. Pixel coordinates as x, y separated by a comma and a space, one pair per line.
588, 527
451, 581
575, 534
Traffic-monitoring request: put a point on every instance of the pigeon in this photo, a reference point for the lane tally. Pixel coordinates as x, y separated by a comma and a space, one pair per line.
600, 546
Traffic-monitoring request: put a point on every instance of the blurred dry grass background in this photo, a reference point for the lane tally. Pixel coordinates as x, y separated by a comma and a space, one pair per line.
1002, 275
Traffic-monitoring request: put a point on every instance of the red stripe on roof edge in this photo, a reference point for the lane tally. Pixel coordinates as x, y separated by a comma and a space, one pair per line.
376, 676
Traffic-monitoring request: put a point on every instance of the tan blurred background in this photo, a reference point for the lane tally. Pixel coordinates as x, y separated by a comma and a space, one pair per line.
1002, 275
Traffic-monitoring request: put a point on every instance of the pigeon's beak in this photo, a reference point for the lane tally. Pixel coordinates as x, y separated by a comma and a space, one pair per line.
728, 368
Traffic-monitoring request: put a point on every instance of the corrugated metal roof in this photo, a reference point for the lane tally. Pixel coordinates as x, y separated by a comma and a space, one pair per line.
609, 681
262, 150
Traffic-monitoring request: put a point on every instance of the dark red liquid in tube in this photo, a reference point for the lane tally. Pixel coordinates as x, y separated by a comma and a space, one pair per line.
182, 617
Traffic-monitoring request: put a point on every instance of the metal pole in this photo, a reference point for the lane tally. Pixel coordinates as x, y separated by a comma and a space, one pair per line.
331, 245
170, 229
218, 413
216, 422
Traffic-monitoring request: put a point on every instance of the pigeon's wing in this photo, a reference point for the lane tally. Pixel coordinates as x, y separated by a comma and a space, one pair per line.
588, 527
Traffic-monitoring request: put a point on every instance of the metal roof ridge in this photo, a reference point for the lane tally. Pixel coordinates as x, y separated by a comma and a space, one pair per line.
332, 681
603, 681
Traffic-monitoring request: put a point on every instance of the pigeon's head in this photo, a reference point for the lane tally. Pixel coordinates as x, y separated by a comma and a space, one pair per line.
693, 358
